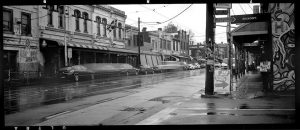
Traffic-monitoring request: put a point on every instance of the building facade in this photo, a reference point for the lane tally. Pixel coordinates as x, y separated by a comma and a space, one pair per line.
20, 41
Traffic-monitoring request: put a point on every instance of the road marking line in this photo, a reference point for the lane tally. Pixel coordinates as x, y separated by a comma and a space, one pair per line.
158, 117
58, 114
239, 109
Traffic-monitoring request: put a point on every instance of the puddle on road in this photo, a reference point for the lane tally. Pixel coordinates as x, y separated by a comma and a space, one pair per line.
165, 99
140, 109
281, 116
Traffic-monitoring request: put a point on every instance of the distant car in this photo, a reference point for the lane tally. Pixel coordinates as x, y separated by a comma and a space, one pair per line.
191, 67
217, 65
170, 65
224, 66
197, 66
202, 65
145, 69
91, 69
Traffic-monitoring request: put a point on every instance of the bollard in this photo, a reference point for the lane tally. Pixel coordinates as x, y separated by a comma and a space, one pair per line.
40, 74
92, 76
8, 75
76, 77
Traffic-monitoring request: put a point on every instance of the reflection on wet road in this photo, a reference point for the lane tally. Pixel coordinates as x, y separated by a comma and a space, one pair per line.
22, 98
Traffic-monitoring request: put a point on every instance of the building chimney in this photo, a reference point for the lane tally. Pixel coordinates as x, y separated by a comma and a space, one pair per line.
144, 29
159, 29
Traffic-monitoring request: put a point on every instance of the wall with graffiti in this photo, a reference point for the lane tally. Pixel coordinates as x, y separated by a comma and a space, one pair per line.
283, 36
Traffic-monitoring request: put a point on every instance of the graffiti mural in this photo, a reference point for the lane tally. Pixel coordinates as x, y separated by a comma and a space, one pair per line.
283, 36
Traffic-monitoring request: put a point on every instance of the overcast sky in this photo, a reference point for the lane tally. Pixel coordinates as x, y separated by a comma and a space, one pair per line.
192, 19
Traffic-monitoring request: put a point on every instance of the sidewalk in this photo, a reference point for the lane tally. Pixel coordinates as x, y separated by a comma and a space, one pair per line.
246, 105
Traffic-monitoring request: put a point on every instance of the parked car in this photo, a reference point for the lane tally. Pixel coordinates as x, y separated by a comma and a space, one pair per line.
92, 69
145, 69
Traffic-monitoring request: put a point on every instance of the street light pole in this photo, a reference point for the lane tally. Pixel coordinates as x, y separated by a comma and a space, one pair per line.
229, 44
139, 45
209, 75
65, 40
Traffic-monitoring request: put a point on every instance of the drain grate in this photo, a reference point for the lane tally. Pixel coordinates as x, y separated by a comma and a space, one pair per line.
141, 109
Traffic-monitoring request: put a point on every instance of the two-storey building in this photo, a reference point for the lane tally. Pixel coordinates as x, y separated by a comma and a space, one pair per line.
20, 41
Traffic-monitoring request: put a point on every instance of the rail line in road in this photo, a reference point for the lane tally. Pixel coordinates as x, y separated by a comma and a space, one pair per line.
66, 92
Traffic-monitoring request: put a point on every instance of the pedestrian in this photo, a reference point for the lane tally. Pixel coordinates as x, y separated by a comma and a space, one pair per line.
265, 72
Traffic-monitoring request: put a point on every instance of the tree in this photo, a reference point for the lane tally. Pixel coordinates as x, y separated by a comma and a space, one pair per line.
170, 28
191, 35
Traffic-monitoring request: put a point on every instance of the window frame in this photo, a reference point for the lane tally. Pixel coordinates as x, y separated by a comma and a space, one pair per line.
11, 29
77, 22
61, 12
104, 22
120, 30
85, 16
98, 21
50, 9
28, 32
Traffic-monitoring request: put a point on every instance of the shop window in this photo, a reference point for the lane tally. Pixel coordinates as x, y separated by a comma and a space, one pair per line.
26, 24
7, 20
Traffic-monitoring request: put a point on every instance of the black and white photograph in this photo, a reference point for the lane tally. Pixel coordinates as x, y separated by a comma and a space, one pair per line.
148, 64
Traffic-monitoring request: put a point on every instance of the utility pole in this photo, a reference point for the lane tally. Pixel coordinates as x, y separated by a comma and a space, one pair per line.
139, 44
210, 26
65, 39
229, 50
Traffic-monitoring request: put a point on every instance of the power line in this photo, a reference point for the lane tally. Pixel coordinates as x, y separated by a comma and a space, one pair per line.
215, 34
154, 11
157, 23
148, 9
174, 16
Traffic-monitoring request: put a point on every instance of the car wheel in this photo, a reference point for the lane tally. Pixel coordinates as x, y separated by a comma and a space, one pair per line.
136, 72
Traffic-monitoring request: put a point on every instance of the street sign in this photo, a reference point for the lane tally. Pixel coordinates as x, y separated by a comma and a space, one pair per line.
223, 5
222, 81
221, 12
69, 53
225, 19
249, 18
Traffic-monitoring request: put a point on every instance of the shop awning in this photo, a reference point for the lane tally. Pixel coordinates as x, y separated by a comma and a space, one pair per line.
122, 50
79, 45
88, 46
180, 56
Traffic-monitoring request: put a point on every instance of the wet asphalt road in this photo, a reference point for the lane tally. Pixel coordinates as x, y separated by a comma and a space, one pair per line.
153, 99
17, 99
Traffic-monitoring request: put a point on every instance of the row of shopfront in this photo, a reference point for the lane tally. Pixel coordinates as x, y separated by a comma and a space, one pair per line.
44, 57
